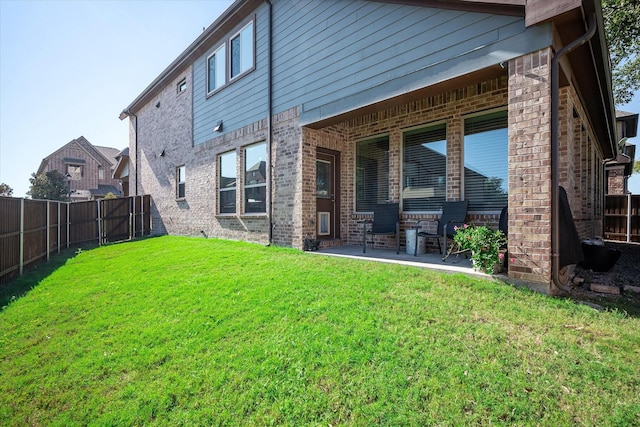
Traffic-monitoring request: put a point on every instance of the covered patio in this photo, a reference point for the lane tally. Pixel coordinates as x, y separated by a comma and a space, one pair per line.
453, 264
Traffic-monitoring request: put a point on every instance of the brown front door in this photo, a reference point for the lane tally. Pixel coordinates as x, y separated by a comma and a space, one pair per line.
327, 194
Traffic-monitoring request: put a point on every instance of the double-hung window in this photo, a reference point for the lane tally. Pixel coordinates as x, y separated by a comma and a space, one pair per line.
372, 173
486, 161
255, 178
227, 183
424, 169
232, 58
180, 182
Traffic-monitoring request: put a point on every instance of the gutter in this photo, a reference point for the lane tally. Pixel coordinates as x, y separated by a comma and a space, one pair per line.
555, 148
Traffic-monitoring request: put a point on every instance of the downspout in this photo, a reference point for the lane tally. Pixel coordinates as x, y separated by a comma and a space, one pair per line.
555, 148
269, 124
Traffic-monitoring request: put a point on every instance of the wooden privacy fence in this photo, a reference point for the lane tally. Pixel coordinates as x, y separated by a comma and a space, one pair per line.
622, 217
32, 230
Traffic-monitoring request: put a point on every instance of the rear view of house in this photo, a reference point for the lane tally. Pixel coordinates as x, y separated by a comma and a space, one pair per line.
288, 118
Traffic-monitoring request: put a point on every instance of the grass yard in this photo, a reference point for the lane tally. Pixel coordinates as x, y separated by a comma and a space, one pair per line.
187, 331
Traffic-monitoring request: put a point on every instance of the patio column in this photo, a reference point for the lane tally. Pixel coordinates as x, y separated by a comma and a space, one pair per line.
530, 168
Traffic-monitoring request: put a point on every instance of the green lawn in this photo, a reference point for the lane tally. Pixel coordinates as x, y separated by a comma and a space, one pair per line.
187, 331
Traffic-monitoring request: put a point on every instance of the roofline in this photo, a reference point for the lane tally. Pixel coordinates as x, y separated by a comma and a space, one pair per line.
216, 31
496, 7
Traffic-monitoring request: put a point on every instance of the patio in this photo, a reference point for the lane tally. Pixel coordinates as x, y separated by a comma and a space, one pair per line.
453, 264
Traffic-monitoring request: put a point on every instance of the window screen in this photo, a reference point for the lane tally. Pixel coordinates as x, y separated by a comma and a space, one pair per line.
486, 161
424, 169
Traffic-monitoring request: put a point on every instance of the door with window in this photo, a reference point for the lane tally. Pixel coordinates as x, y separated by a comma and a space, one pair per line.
327, 194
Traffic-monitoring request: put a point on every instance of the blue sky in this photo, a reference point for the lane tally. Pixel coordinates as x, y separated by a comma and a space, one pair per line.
68, 68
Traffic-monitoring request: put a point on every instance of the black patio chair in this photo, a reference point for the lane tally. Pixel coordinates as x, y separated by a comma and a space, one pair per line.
386, 220
453, 214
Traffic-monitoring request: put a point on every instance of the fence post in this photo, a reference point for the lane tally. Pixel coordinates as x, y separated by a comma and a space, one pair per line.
629, 218
68, 223
21, 236
48, 229
99, 224
59, 221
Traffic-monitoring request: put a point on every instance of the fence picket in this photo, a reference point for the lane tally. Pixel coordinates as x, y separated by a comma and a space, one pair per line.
26, 227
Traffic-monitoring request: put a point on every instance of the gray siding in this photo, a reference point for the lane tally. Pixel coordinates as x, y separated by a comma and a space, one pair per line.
332, 56
240, 103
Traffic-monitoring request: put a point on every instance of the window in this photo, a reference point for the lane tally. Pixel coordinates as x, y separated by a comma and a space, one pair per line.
238, 52
372, 173
227, 183
75, 171
255, 178
486, 161
424, 169
182, 86
180, 182
242, 51
101, 174
216, 75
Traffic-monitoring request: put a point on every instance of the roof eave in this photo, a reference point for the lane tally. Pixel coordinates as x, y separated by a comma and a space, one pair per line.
217, 30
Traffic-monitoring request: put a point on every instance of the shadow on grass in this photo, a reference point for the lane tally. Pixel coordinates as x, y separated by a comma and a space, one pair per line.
33, 276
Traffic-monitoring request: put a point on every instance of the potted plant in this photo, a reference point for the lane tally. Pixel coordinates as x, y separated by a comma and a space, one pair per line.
484, 244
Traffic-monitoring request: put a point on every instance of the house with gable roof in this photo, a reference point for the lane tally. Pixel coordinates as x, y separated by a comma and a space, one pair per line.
353, 103
89, 169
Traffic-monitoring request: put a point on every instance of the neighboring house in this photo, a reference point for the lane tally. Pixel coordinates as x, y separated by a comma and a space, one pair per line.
352, 103
121, 171
620, 169
89, 169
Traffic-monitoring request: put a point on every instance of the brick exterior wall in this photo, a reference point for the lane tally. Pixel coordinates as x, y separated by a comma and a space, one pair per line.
616, 180
530, 167
525, 91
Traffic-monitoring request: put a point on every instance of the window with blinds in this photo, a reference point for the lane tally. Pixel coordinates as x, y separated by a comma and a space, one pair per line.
372, 173
486, 161
424, 169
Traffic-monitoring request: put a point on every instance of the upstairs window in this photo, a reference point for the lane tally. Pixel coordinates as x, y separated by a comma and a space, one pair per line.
372, 173
216, 76
180, 182
182, 86
424, 169
255, 178
242, 51
234, 57
227, 182
486, 162
75, 171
